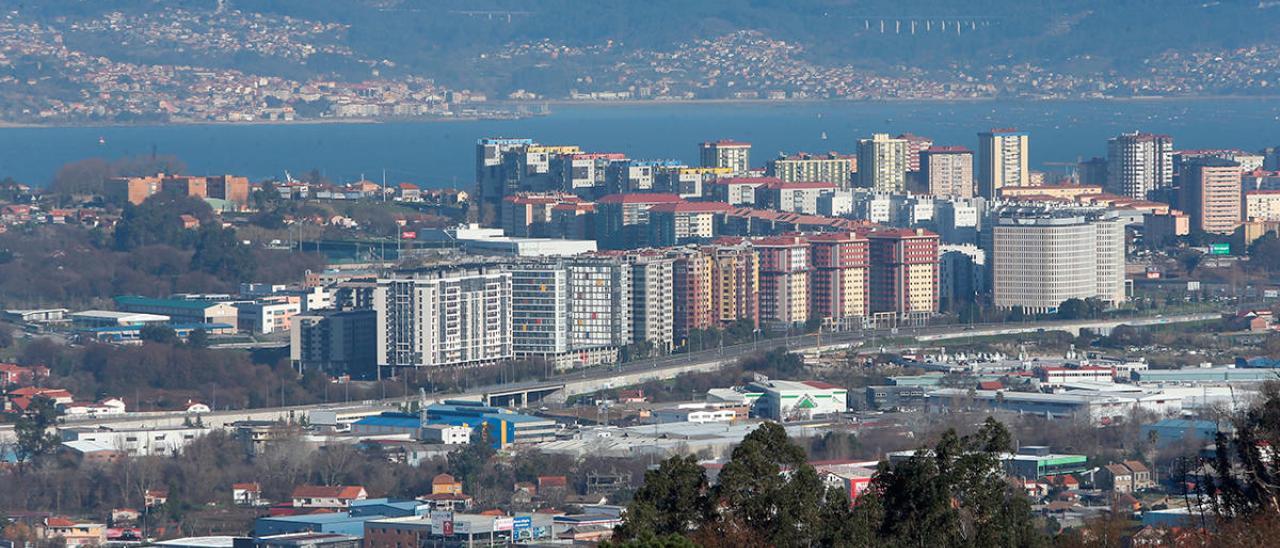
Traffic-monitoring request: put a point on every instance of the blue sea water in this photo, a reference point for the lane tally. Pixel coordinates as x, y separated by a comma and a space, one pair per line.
438, 154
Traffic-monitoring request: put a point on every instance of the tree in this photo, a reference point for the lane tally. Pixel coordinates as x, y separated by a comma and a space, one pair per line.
268, 198
955, 495
198, 338
784, 509
672, 501
34, 438
6, 336
1264, 253
162, 334
1073, 309
1244, 482
648, 539
468, 461
219, 254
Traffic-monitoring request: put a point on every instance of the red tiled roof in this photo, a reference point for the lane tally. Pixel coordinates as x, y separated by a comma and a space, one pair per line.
641, 198
246, 486
30, 391
691, 207
325, 491
902, 233
574, 206
443, 479
445, 496
552, 481
799, 185
990, 385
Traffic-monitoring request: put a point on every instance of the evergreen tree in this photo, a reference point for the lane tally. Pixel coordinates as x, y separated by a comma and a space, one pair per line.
673, 500
32, 429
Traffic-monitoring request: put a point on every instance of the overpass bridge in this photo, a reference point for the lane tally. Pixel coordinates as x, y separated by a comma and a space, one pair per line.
586, 381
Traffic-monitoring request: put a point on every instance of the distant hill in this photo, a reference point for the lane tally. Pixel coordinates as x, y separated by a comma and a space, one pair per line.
477, 44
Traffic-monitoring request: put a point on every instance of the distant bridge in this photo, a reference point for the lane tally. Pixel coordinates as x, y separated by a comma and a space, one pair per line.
926, 24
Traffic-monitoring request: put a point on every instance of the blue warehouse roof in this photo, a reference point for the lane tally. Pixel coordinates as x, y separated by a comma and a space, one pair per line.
396, 420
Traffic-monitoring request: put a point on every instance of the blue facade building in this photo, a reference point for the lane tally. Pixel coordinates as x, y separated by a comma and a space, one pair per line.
504, 426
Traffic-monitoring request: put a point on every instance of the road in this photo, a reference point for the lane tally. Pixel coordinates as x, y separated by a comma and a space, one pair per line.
595, 379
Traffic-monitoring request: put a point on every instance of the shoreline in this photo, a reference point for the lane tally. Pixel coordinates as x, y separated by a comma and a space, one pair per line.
636, 103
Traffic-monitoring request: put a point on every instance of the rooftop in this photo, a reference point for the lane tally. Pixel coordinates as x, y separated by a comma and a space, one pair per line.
134, 300
641, 198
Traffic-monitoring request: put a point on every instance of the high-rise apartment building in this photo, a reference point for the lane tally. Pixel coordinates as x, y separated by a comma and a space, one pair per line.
837, 169
735, 155
679, 223
530, 214
444, 318
336, 342
1002, 161
784, 280
735, 283
916, 144
1211, 194
491, 175
691, 277
1041, 259
882, 163
652, 299
688, 182
623, 219
839, 279
948, 171
1138, 163
904, 272
572, 311
584, 174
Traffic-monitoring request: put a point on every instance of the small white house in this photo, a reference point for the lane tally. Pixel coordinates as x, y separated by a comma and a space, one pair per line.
246, 494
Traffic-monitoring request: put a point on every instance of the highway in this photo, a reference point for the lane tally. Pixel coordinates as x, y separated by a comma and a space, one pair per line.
600, 378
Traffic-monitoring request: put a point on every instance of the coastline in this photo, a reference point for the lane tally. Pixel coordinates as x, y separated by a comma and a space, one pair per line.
578, 103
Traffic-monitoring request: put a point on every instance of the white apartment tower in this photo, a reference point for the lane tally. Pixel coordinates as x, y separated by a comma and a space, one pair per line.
1041, 259
443, 318
573, 311
1002, 161
882, 163
652, 304
1138, 163
735, 155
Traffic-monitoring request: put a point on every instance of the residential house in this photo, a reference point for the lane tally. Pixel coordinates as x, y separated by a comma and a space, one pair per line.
454, 502
108, 406
11, 373
553, 487
1141, 475
324, 496
445, 484
73, 533
409, 192
155, 497
246, 494
124, 515
20, 398
523, 494
1117, 478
